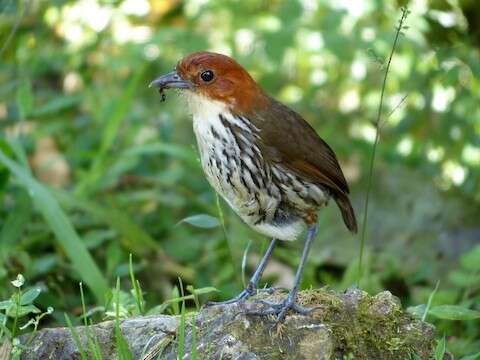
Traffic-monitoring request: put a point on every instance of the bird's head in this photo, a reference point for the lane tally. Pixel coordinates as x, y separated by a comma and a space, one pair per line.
214, 77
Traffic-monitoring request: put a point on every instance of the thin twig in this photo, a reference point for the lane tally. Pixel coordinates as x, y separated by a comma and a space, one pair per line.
405, 12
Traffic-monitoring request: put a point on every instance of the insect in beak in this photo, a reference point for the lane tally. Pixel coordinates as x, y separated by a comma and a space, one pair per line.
170, 81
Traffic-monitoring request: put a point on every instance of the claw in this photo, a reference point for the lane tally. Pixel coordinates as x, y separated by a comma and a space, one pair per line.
280, 309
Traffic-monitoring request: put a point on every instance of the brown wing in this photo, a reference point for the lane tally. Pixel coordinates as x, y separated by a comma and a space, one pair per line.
288, 139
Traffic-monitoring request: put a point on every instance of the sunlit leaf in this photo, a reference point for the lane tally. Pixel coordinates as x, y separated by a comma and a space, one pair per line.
202, 221
29, 296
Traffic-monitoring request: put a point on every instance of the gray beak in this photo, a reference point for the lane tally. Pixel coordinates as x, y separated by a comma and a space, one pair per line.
171, 81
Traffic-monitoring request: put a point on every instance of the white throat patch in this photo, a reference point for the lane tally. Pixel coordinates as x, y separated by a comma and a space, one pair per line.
203, 107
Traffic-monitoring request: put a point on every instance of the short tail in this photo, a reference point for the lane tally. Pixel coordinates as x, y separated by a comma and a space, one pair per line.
347, 211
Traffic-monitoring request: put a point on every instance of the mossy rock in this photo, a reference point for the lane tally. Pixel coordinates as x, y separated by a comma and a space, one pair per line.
349, 325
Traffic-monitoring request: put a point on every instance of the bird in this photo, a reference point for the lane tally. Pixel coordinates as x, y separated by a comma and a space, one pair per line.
267, 162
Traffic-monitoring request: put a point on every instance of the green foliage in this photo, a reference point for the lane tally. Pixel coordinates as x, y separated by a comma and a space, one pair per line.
19, 314
454, 312
60, 225
93, 168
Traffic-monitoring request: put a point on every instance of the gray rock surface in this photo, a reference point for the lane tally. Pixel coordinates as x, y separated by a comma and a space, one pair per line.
343, 326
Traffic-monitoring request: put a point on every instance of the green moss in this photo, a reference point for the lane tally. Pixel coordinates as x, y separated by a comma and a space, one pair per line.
362, 326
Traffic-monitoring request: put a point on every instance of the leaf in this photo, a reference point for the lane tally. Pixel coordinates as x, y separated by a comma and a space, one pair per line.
202, 291
454, 312
202, 221
25, 99
4, 305
440, 349
23, 310
29, 296
62, 227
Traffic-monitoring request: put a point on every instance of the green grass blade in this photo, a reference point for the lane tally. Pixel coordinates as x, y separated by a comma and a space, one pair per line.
76, 338
136, 288
181, 334
429, 302
123, 351
194, 351
440, 349
61, 226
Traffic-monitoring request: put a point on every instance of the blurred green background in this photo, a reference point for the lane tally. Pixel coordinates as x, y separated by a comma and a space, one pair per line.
94, 167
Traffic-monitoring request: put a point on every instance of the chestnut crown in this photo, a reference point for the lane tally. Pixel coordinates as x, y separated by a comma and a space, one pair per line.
220, 78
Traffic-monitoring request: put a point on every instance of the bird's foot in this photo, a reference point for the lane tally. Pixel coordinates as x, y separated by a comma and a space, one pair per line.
281, 309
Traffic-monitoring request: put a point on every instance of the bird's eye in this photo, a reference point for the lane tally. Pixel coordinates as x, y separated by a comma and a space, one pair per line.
207, 75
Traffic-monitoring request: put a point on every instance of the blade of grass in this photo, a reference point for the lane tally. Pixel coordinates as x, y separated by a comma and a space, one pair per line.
429, 302
194, 351
76, 337
136, 288
92, 340
61, 226
377, 124
244, 263
181, 329
123, 351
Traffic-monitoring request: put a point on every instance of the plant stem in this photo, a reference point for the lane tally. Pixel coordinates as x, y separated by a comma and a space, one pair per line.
405, 12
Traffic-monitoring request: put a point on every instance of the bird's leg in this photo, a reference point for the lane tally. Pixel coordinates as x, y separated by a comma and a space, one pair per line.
251, 288
281, 309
